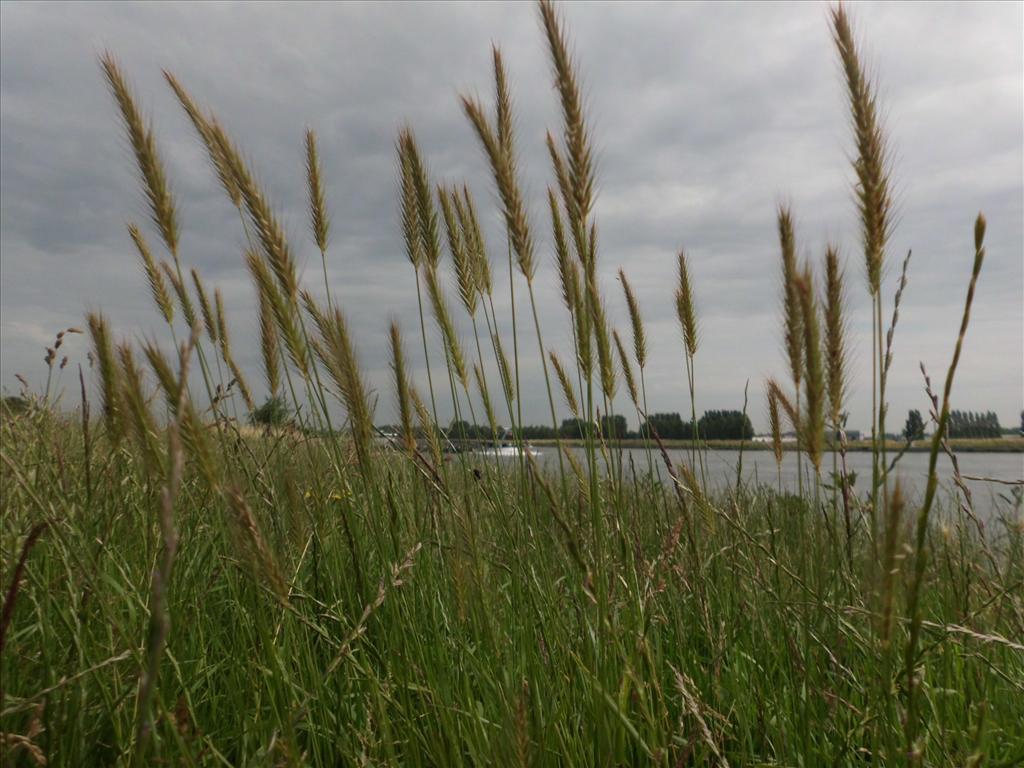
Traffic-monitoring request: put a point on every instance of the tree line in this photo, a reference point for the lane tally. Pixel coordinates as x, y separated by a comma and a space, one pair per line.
713, 425
961, 424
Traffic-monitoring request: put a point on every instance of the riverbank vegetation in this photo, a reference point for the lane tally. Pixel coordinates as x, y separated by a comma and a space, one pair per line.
182, 588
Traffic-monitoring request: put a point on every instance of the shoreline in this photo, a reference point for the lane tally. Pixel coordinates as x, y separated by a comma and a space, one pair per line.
962, 445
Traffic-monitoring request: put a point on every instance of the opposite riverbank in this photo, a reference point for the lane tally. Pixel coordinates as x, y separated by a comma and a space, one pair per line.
965, 445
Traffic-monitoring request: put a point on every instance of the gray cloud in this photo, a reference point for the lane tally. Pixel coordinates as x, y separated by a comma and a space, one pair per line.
705, 117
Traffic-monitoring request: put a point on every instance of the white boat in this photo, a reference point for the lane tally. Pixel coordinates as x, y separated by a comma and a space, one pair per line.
508, 449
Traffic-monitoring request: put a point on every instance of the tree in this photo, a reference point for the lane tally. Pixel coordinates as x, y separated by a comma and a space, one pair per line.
537, 432
613, 427
914, 428
273, 413
972, 424
576, 429
725, 425
14, 405
668, 426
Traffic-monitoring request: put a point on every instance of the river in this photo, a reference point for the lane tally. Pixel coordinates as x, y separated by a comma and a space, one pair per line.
912, 471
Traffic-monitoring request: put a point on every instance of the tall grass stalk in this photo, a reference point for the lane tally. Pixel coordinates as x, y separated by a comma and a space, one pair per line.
921, 525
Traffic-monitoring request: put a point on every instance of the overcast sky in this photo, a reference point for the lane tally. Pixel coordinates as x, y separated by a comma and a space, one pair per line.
705, 117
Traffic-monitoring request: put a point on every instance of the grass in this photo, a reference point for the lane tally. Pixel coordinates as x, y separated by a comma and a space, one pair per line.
182, 589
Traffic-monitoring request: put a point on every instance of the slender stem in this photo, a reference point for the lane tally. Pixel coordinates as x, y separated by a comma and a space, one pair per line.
547, 381
426, 354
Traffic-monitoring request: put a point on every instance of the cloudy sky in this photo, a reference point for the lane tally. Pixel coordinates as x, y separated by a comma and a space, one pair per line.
705, 117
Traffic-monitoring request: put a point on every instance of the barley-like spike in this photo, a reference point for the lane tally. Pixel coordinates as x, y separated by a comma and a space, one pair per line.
258, 550
471, 226
577, 224
605, 360
504, 369
584, 348
485, 398
184, 300
139, 420
268, 229
582, 482
445, 324
835, 334
502, 168
465, 274
502, 106
164, 374
774, 424
222, 323
269, 345
409, 208
282, 311
204, 305
205, 129
427, 427
319, 220
151, 168
225, 350
426, 215
636, 321
157, 286
793, 320
872, 168
776, 392
564, 185
196, 441
402, 397
575, 132
110, 380
627, 370
339, 358
568, 390
568, 272
814, 380
685, 309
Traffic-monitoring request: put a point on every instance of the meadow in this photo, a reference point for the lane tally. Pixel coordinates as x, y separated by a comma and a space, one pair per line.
183, 589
